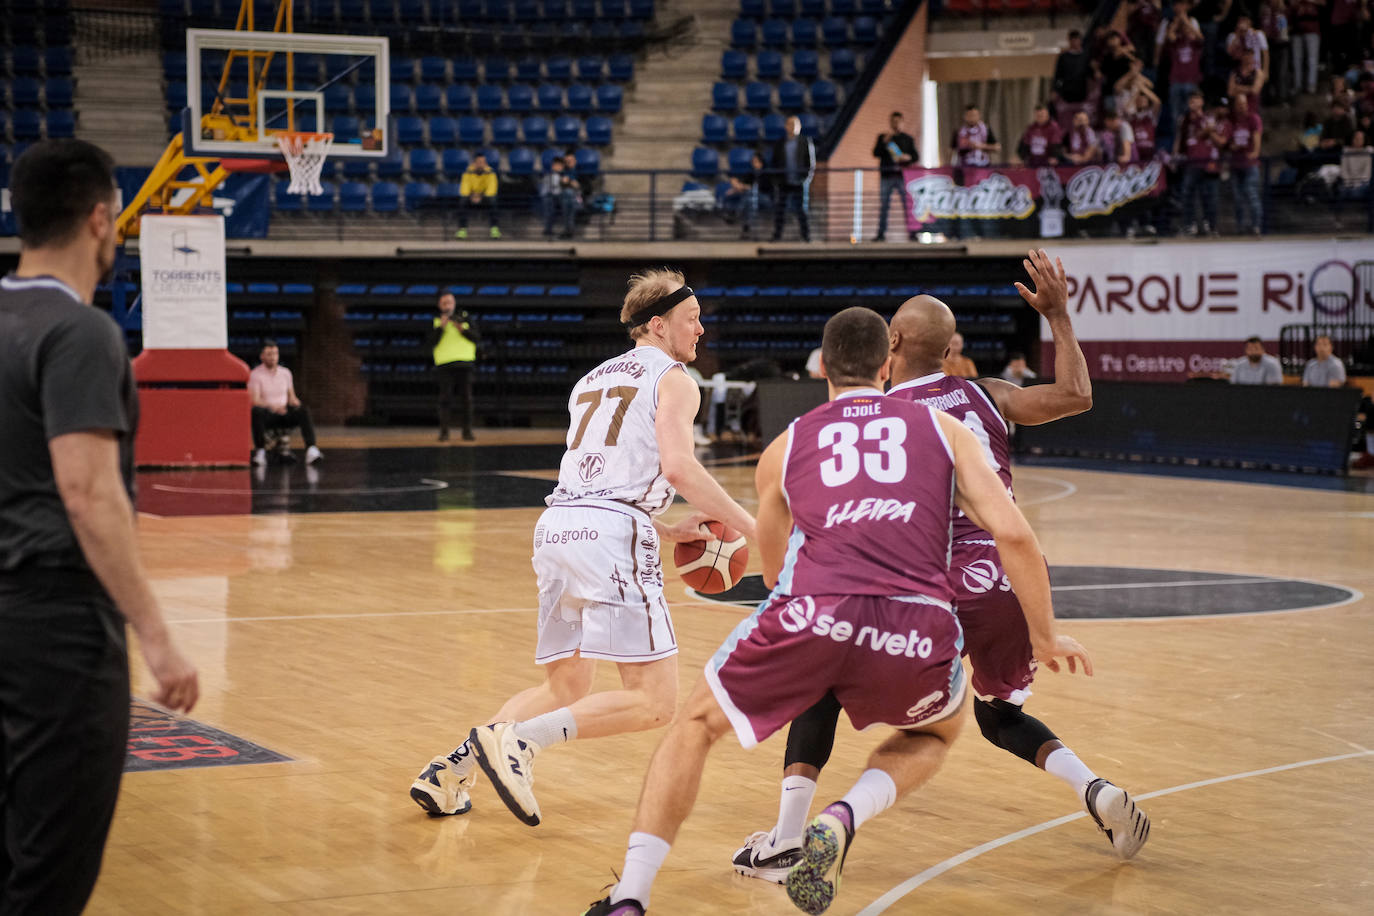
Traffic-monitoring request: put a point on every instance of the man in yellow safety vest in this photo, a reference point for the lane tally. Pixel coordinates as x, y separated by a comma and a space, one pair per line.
454, 342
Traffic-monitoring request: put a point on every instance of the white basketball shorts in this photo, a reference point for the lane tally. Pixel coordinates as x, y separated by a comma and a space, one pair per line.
600, 585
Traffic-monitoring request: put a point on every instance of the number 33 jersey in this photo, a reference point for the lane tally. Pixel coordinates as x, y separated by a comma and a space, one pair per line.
612, 445
870, 482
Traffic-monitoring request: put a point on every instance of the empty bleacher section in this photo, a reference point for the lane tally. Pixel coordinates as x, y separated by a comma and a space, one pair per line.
37, 89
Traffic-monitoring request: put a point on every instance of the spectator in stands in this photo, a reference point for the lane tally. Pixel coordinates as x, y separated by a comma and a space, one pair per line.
1337, 130
558, 195
742, 200
1348, 20
895, 149
1198, 142
793, 165
1072, 70
1117, 67
275, 405
1273, 21
1142, 29
477, 192
1341, 92
1305, 35
973, 143
1258, 367
1180, 43
1017, 372
956, 363
1244, 130
1143, 116
1246, 80
1042, 143
1080, 146
1217, 18
1247, 41
1325, 371
1364, 108
1116, 141
453, 342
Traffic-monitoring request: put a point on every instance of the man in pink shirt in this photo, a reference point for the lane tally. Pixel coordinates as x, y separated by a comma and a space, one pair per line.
275, 405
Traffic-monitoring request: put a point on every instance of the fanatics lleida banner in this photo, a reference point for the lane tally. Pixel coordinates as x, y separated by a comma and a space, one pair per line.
1173, 310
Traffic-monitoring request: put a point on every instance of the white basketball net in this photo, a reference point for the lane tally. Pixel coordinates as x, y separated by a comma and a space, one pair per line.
305, 155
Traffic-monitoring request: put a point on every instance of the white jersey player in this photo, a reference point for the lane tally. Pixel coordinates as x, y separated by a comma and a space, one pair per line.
596, 557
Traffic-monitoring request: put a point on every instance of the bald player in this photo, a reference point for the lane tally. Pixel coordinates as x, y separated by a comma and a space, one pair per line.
996, 638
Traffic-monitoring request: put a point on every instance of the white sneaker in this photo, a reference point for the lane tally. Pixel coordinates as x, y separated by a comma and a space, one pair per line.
1126, 826
260, 457
440, 791
508, 761
313, 454
761, 858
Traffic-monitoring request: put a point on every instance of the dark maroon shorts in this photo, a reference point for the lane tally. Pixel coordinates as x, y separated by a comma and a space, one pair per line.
996, 639
888, 661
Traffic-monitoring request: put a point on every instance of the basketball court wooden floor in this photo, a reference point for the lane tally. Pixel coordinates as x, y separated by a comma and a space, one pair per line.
357, 644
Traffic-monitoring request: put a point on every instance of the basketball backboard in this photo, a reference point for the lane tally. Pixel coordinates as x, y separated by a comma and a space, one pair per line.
243, 88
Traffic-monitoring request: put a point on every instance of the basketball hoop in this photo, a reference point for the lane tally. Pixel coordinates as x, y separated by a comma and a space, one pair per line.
305, 154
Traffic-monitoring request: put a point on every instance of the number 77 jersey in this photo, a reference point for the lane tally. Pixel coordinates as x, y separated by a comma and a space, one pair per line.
870, 482
612, 444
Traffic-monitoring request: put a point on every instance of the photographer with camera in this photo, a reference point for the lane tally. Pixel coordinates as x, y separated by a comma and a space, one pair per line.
454, 342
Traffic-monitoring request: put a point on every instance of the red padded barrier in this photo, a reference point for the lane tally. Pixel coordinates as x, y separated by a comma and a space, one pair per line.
194, 408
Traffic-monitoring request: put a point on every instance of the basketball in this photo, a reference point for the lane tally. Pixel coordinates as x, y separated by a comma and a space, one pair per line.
713, 566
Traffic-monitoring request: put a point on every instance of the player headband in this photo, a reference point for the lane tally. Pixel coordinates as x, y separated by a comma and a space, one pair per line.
660, 306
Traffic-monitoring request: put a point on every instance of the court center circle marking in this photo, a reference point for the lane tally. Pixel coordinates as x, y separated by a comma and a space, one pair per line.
427, 485
1069, 489
883, 903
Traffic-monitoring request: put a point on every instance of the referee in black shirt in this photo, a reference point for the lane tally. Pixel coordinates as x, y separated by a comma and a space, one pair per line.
68, 556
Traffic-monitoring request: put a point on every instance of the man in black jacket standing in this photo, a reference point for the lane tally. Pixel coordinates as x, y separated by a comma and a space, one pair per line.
792, 165
895, 151
453, 340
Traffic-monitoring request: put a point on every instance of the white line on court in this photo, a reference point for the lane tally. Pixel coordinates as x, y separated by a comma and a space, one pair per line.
1176, 584
1069, 490
906, 887
310, 617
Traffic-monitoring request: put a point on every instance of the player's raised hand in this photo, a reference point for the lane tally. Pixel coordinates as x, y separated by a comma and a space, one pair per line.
1068, 648
1051, 296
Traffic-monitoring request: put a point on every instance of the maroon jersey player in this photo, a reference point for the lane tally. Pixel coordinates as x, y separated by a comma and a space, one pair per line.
990, 608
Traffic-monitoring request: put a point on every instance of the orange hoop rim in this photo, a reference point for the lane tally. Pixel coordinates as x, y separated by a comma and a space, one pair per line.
298, 138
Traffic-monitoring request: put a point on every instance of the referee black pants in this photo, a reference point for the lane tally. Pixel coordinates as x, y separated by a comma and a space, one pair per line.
455, 396
64, 725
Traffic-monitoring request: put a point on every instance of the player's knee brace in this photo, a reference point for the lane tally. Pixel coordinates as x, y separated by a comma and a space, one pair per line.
1007, 726
812, 735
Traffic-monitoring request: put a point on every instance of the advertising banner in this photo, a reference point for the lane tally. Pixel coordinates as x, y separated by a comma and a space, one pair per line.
182, 259
1170, 311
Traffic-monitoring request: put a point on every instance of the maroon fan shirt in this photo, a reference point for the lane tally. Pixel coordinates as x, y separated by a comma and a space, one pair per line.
1143, 125
1038, 140
1242, 136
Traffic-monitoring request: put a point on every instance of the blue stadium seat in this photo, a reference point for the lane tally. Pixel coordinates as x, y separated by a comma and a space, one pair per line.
520, 99
490, 98
263, 289
527, 11
411, 11
873, 7
768, 65
791, 96
865, 31
24, 92
25, 61
456, 162
365, 97
357, 168
714, 129
471, 129
609, 99
27, 125
775, 34
535, 130
590, 67
493, 156
814, 9
621, 68
724, 97
448, 192
381, 11
58, 61
584, 9
835, 32
529, 70
493, 290
565, 290
321, 203
805, 64
521, 162
743, 35
741, 160
824, 96
497, 10
285, 202
748, 129
336, 96
631, 31
842, 64
401, 100
547, 157
588, 162
61, 123
464, 70
434, 69
428, 99
458, 98
402, 69
804, 33
782, 9
579, 98
598, 131
505, 131
176, 96
559, 68
550, 97
496, 69
774, 127
810, 125
418, 194
705, 162
410, 130
555, 10
641, 9
443, 131
173, 65
567, 130
422, 163
392, 166
734, 65
758, 96
386, 197
752, 9
844, 7
614, 9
